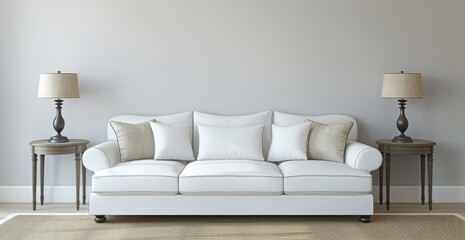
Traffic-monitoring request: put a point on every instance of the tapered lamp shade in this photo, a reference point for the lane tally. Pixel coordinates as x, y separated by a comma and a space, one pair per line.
58, 85
402, 85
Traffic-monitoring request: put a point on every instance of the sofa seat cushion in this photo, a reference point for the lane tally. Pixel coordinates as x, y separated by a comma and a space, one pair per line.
323, 177
231, 177
139, 176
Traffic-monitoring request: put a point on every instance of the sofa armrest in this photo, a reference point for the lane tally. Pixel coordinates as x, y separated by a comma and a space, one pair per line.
102, 156
361, 156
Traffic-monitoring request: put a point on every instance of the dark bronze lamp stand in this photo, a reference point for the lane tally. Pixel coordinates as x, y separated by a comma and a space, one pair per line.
58, 124
402, 124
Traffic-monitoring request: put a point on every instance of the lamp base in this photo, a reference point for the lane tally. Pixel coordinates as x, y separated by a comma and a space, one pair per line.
58, 139
58, 124
402, 139
402, 124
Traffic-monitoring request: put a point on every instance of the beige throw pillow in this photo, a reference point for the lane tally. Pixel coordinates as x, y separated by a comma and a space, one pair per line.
135, 141
328, 142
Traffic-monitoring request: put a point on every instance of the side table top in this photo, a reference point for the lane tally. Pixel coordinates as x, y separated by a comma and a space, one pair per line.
415, 143
46, 143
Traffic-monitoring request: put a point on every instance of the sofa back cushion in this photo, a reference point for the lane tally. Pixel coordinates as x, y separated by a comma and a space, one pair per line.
286, 119
173, 119
262, 118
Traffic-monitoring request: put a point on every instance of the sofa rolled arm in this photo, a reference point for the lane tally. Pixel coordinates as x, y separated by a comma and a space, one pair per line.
102, 156
362, 156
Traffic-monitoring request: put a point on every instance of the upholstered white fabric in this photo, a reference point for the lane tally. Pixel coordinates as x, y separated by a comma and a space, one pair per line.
112, 204
323, 177
289, 142
362, 156
232, 187
230, 143
286, 119
139, 176
217, 177
173, 119
101, 156
172, 141
263, 118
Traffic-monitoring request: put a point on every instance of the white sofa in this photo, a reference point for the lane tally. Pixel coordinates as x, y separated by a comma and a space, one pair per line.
231, 187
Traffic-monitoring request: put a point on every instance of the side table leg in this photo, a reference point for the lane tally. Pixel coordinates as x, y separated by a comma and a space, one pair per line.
34, 180
83, 183
381, 173
388, 179
422, 169
430, 181
42, 166
78, 173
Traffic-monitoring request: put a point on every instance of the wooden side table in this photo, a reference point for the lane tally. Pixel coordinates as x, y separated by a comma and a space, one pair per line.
43, 147
417, 147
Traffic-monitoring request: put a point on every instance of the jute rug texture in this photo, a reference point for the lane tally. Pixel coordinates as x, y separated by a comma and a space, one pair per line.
229, 227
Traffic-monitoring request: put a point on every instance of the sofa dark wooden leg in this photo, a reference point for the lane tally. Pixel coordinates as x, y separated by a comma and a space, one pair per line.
365, 218
100, 218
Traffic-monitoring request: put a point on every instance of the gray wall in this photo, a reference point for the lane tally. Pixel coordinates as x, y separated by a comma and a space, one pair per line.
232, 57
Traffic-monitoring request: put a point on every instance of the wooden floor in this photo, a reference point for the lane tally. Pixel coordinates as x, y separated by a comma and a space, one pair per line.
8, 208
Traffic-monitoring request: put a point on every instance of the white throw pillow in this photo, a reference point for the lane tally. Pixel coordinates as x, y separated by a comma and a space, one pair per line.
206, 119
230, 143
289, 142
172, 141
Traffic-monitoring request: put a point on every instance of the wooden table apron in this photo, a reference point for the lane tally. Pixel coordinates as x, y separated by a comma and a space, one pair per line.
418, 147
43, 147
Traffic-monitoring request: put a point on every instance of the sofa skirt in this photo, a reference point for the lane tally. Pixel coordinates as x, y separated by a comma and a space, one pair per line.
113, 204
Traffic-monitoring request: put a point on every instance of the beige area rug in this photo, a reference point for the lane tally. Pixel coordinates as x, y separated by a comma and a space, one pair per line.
387, 226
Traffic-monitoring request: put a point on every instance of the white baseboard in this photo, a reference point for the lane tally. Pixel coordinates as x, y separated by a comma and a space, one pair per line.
405, 194
55, 194
67, 194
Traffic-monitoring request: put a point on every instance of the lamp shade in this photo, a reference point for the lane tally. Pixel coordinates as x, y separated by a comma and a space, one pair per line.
402, 85
58, 85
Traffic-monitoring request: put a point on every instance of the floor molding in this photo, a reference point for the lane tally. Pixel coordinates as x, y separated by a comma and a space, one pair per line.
408, 194
66, 194
52, 194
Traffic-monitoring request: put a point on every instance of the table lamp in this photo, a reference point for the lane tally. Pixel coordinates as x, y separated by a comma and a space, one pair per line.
402, 86
58, 85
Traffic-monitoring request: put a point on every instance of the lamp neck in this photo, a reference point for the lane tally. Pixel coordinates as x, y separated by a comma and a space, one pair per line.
402, 102
58, 103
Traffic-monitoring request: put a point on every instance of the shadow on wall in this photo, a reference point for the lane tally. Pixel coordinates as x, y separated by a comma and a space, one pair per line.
97, 88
